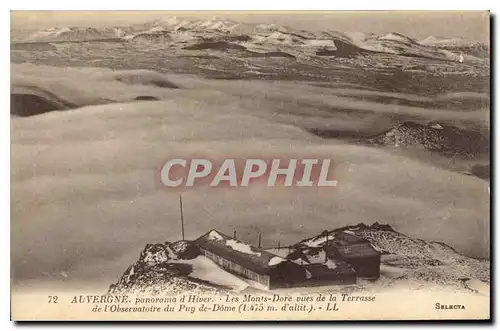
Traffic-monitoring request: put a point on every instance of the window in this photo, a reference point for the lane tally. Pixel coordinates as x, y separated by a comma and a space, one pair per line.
253, 276
208, 254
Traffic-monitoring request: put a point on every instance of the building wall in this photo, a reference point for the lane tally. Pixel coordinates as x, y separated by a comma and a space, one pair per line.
287, 274
236, 268
323, 281
292, 275
366, 267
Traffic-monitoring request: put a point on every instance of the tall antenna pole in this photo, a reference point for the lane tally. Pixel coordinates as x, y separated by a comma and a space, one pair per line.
326, 246
182, 216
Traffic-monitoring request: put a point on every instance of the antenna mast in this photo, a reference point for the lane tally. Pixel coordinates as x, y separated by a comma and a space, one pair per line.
326, 246
182, 216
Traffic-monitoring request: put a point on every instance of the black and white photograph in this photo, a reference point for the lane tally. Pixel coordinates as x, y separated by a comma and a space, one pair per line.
250, 165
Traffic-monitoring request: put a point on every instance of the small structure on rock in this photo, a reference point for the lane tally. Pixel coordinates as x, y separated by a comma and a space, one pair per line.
357, 252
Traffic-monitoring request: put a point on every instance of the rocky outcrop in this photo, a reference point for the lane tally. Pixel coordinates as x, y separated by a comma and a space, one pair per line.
214, 45
343, 50
160, 269
434, 136
29, 101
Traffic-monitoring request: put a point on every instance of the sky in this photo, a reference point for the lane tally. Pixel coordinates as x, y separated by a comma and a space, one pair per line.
472, 25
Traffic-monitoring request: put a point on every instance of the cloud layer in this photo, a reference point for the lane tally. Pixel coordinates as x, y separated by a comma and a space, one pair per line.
86, 197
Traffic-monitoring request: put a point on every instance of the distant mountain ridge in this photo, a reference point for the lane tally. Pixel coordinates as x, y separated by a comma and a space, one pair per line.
56, 34
174, 31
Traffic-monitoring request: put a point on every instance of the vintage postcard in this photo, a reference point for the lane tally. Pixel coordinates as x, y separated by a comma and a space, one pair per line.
228, 166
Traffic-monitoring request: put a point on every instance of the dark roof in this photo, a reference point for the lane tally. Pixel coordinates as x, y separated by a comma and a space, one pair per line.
254, 259
346, 238
355, 251
347, 245
320, 270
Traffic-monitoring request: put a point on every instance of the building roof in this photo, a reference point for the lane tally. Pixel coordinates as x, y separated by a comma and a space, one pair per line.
347, 245
347, 237
335, 268
245, 255
359, 250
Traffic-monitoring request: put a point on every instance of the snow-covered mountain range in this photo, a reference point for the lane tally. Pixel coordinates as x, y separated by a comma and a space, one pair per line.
181, 32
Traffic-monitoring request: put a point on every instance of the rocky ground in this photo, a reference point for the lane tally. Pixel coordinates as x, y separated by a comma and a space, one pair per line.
160, 270
434, 136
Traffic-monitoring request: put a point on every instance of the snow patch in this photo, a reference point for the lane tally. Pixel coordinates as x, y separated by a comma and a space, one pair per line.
480, 287
316, 242
170, 253
330, 265
281, 252
320, 43
241, 247
301, 261
319, 257
214, 235
396, 37
276, 260
206, 269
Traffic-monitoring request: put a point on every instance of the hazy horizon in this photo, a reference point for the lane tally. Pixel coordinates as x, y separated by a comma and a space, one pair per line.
470, 25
